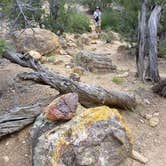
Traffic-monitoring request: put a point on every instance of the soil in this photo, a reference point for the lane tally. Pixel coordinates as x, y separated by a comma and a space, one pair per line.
149, 141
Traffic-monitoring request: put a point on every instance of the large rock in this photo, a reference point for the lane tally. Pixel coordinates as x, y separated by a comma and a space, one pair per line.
40, 40
96, 137
94, 62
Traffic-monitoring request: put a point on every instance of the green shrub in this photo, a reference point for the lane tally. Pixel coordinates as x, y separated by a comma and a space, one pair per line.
69, 20
162, 49
107, 35
120, 21
117, 80
78, 22
3, 46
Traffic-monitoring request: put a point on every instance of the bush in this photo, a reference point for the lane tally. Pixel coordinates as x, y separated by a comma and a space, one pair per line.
68, 20
3, 46
119, 22
78, 22
117, 80
107, 35
162, 49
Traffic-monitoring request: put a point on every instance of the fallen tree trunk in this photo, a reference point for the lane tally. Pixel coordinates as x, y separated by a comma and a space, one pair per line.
23, 116
160, 88
88, 95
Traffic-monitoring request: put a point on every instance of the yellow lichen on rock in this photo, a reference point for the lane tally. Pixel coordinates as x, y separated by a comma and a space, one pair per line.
77, 129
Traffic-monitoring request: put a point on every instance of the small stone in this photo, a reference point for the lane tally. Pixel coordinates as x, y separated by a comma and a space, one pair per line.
68, 67
142, 121
79, 70
147, 101
124, 75
6, 158
7, 143
156, 114
148, 116
94, 42
23, 142
58, 62
154, 121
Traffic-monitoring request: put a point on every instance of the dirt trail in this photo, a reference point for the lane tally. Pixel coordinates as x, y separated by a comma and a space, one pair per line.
15, 150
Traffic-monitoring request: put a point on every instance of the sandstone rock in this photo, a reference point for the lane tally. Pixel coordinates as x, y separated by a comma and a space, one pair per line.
98, 136
94, 62
93, 42
124, 75
148, 116
62, 108
35, 54
79, 70
83, 40
40, 40
154, 121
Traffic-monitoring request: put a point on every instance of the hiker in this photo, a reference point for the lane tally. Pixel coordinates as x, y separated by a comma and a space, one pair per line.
97, 17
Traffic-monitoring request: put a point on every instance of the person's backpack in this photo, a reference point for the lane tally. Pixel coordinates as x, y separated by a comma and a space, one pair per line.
97, 18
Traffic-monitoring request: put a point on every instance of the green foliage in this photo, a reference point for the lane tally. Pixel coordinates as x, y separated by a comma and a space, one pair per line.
69, 20
162, 49
123, 18
107, 35
3, 46
94, 3
117, 80
78, 22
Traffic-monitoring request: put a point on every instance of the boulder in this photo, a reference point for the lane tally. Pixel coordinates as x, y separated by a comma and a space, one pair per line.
62, 108
35, 54
40, 40
95, 137
94, 62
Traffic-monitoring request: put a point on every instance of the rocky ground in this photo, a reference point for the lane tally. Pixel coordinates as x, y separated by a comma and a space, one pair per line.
147, 122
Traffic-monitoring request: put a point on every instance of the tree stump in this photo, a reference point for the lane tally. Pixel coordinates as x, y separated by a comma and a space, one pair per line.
93, 62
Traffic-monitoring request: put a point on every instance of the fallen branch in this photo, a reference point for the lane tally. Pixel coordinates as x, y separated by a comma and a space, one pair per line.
88, 95
21, 117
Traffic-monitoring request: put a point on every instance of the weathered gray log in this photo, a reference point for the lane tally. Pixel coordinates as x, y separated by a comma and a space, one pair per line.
88, 95
21, 117
93, 62
152, 72
160, 88
142, 28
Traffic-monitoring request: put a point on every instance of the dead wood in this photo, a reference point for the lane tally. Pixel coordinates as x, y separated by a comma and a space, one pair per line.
88, 95
16, 120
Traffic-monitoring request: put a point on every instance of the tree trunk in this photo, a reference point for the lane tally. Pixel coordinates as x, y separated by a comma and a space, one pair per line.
88, 95
152, 72
142, 28
17, 120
